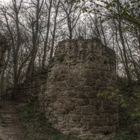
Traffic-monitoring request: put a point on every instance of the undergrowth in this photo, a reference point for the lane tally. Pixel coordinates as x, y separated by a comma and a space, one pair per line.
129, 111
36, 126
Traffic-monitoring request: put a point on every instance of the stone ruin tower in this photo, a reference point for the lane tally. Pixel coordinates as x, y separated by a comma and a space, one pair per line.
79, 99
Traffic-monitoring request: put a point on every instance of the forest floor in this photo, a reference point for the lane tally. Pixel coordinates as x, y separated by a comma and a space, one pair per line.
36, 126
24, 121
10, 128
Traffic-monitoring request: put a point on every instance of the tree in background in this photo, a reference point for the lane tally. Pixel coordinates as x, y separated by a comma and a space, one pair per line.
33, 28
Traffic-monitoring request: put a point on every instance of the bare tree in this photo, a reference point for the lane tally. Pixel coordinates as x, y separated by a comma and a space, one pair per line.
35, 29
49, 5
72, 11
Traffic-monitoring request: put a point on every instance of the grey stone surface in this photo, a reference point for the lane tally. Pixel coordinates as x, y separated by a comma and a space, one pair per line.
80, 93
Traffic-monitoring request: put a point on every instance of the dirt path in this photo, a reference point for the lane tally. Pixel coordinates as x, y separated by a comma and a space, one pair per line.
10, 128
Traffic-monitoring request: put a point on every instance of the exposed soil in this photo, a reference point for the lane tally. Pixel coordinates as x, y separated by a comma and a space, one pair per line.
10, 128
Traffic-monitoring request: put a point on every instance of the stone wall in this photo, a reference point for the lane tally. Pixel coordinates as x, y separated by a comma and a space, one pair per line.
80, 92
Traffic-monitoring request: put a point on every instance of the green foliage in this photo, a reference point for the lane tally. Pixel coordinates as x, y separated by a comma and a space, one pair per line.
107, 95
36, 126
129, 111
128, 10
125, 135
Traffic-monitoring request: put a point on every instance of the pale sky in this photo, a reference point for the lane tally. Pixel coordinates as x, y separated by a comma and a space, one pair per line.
4, 1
